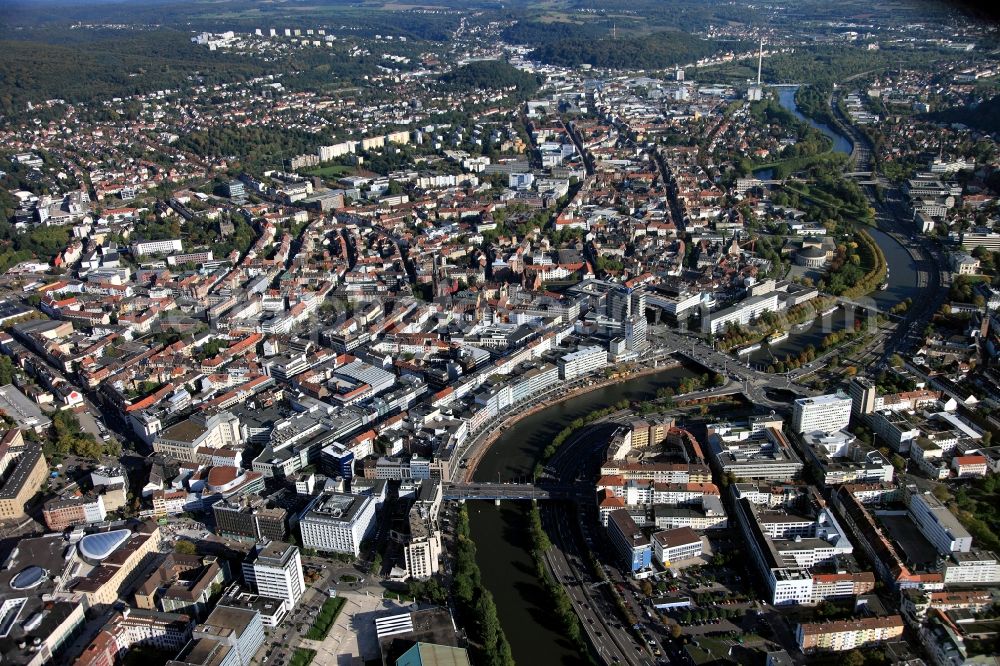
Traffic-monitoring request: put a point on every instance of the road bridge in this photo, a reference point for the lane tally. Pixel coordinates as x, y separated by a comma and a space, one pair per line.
506, 491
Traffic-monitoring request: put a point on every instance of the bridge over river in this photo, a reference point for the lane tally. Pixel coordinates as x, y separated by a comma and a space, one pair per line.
507, 491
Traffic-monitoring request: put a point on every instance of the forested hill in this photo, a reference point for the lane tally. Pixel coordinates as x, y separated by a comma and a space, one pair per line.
490, 75
984, 117
35, 71
657, 50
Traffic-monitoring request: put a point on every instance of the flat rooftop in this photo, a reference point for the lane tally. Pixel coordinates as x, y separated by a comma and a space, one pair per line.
23, 411
909, 542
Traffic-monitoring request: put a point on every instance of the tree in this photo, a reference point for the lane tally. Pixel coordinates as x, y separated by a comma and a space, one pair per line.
854, 658
6, 370
676, 631
185, 548
940, 491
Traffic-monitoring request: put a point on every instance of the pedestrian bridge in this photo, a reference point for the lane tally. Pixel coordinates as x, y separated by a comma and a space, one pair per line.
506, 491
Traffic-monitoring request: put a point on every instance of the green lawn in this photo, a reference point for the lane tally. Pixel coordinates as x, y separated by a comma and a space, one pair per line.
707, 650
302, 657
331, 171
325, 619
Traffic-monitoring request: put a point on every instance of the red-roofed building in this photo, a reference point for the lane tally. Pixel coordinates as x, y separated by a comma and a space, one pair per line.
969, 466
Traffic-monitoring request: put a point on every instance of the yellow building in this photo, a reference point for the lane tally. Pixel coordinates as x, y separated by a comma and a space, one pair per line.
118, 560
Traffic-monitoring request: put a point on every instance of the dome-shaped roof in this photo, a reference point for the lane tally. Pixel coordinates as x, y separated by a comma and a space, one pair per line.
812, 252
224, 478
28, 578
96, 547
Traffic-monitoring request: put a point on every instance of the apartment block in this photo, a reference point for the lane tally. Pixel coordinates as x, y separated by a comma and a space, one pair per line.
581, 362
843, 635
23, 471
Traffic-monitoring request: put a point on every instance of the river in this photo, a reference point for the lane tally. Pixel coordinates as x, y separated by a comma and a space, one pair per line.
786, 97
797, 341
501, 533
902, 269
902, 272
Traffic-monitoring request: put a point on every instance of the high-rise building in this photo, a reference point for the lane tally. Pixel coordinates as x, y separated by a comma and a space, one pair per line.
274, 569
624, 302
826, 413
635, 332
422, 542
863, 394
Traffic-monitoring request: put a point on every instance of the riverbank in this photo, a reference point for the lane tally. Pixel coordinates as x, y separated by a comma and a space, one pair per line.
477, 449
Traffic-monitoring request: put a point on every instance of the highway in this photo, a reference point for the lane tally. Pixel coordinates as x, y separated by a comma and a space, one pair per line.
592, 599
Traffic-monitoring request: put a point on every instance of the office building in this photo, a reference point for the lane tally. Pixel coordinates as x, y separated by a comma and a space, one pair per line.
422, 542
212, 431
624, 302
827, 413
863, 395
250, 518
166, 632
939, 525
274, 569
786, 546
980, 567
632, 546
740, 314
676, 545
337, 522
272, 610
141, 249
235, 189
770, 457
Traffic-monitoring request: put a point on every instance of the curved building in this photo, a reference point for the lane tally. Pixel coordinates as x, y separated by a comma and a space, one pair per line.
95, 548
812, 257
28, 578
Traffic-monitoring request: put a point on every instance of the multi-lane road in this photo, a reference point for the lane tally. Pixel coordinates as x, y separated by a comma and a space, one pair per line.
571, 531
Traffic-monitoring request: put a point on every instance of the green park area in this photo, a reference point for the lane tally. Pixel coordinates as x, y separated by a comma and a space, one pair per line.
327, 616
